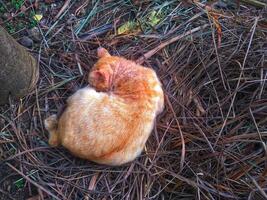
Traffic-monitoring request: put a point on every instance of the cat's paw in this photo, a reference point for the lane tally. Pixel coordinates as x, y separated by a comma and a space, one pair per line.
50, 123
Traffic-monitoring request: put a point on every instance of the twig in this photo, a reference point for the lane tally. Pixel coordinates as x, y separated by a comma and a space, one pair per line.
181, 135
64, 7
166, 43
255, 3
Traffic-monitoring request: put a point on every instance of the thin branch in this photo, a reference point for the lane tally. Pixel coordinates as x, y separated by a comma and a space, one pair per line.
168, 42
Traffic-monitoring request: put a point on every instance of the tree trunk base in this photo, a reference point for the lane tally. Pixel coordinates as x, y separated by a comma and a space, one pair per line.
18, 69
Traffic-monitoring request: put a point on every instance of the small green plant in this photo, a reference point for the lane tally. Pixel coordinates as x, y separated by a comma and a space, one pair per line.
19, 183
17, 3
32, 21
10, 28
151, 20
2, 9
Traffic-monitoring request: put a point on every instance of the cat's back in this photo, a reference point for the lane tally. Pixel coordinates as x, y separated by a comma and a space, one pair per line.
96, 123
92, 109
143, 83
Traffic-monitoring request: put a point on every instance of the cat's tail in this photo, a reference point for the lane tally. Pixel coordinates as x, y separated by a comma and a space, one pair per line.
51, 124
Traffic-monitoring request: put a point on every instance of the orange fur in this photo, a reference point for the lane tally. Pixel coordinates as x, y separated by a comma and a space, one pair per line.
110, 121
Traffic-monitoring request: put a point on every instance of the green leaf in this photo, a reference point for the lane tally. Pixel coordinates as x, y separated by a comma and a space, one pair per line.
154, 18
17, 3
127, 27
37, 17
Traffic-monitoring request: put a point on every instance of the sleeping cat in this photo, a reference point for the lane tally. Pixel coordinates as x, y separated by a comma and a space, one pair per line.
109, 121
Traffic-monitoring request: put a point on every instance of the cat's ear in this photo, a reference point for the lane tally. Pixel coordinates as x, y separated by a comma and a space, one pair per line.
101, 75
102, 52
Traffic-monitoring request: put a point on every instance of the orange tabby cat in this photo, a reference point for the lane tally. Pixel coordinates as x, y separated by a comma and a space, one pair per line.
110, 121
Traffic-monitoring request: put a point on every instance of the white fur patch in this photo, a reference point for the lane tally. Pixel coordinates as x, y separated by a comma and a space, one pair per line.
158, 88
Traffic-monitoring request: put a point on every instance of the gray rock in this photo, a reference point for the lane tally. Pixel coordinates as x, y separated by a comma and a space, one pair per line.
26, 41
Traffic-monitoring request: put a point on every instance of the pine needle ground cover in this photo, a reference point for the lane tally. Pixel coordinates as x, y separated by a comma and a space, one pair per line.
210, 141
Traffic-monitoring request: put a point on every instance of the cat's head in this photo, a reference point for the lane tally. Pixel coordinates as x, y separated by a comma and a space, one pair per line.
101, 73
